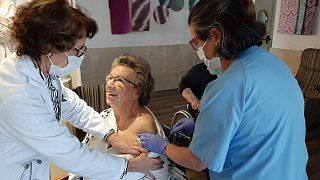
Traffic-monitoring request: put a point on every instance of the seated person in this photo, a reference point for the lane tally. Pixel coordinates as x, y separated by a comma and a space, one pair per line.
193, 84
128, 89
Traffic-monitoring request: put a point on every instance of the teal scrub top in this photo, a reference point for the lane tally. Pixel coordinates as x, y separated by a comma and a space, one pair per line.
251, 123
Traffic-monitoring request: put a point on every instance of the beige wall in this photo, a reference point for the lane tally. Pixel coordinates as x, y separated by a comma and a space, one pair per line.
290, 57
168, 63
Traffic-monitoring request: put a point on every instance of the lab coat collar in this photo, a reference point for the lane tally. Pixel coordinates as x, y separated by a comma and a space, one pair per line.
28, 67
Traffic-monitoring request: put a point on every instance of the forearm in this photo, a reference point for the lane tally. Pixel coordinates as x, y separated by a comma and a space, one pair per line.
188, 95
184, 157
83, 116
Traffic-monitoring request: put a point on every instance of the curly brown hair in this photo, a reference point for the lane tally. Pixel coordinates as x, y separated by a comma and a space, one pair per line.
144, 81
42, 26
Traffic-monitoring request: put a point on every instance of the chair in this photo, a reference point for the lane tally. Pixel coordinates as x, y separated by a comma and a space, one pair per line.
181, 140
94, 95
308, 77
183, 113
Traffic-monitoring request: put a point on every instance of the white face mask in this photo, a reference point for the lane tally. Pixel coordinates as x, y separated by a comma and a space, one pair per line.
74, 63
213, 63
216, 72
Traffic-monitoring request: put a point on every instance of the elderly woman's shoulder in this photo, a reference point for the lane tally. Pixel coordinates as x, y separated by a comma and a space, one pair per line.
145, 122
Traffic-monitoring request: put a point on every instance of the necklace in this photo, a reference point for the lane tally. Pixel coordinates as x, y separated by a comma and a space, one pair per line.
130, 118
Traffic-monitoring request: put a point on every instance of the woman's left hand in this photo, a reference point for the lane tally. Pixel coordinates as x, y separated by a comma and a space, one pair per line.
126, 146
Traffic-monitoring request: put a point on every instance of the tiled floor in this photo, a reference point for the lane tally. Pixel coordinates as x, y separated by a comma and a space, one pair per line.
194, 175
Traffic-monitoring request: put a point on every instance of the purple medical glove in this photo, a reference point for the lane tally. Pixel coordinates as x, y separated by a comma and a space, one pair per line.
184, 126
154, 143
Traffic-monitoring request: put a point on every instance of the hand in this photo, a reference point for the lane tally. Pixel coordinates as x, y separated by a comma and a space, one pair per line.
184, 126
126, 146
154, 143
195, 104
143, 164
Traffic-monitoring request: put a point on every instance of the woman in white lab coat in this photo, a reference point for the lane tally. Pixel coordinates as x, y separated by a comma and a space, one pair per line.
50, 39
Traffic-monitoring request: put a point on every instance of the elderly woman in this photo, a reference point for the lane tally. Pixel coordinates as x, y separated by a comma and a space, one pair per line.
251, 123
128, 89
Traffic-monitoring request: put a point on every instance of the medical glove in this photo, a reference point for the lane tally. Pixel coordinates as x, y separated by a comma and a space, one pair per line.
184, 126
154, 143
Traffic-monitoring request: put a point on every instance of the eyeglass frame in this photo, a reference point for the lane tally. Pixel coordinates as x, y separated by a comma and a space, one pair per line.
193, 41
109, 77
80, 51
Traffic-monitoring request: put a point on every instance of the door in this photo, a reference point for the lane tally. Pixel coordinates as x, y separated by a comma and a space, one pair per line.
265, 13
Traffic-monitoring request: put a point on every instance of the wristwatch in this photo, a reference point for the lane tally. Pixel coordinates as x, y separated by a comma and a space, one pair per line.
111, 131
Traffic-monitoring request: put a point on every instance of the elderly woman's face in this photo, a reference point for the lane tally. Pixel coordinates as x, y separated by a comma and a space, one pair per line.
120, 87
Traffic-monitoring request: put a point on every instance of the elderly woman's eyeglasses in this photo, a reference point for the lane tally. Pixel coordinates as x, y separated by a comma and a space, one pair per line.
80, 50
119, 80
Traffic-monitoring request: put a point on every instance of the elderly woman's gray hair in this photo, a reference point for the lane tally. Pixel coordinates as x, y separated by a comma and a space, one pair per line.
144, 81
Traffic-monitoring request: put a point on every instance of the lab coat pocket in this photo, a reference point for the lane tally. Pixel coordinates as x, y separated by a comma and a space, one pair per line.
31, 169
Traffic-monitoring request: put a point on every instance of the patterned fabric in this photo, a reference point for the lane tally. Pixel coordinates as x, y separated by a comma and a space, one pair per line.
192, 3
164, 3
308, 75
309, 16
288, 16
140, 15
120, 16
54, 96
161, 14
302, 10
176, 5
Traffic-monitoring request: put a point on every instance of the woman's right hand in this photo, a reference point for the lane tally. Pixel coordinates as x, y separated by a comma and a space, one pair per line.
126, 146
142, 163
185, 126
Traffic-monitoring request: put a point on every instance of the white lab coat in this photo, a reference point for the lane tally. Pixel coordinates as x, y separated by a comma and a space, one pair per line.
29, 131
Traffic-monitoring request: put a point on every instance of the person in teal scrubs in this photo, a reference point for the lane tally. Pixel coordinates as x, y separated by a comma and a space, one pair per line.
251, 123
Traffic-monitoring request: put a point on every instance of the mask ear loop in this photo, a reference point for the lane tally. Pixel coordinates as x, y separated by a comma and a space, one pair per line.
217, 54
49, 57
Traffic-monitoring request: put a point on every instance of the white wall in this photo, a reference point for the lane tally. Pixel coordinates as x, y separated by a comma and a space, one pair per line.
297, 42
175, 31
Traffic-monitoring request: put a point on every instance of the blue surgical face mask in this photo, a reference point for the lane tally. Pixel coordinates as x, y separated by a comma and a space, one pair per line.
74, 63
